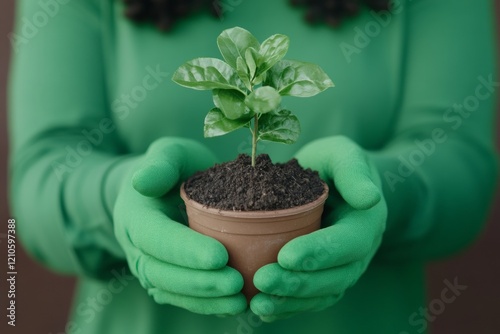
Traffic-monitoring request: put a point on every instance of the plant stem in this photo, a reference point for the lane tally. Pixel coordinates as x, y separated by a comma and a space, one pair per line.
254, 138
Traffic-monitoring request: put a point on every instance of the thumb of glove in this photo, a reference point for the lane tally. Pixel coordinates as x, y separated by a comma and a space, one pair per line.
168, 161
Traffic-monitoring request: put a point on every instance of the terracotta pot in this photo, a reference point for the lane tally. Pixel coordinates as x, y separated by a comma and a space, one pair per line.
254, 238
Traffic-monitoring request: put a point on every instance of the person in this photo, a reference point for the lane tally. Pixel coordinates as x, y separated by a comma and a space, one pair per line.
101, 139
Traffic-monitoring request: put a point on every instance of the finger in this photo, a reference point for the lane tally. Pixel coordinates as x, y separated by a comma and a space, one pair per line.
156, 177
342, 161
352, 238
155, 234
168, 161
271, 308
352, 177
275, 280
189, 282
160, 170
229, 305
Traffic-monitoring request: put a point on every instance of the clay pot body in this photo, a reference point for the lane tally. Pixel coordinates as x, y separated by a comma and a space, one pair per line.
254, 238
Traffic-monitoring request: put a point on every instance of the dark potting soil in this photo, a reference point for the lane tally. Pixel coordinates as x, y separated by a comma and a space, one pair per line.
236, 185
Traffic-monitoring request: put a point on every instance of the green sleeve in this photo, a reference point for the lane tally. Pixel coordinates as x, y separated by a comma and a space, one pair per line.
440, 168
66, 158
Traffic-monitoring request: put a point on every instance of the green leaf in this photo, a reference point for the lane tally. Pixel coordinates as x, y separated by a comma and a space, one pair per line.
234, 42
208, 73
242, 70
251, 58
216, 124
263, 100
281, 127
296, 78
271, 51
231, 102
260, 79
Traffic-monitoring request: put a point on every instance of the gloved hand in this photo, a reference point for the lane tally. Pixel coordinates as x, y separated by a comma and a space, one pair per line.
314, 271
175, 264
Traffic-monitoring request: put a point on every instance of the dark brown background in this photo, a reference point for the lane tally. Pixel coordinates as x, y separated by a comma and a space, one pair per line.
43, 298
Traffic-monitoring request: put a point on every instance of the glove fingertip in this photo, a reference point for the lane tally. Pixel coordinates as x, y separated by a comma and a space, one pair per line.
371, 198
364, 196
287, 257
216, 262
260, 305
137, 181
261, 278
152, 181
285, 260
238, 304
216, 256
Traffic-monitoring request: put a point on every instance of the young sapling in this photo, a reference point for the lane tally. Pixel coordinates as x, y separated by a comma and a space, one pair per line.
248, 85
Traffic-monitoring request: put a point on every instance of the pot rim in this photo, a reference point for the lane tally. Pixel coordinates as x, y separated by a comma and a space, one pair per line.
256, 214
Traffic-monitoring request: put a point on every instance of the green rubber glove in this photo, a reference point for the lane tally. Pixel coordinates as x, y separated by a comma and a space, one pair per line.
176, 265
314, 271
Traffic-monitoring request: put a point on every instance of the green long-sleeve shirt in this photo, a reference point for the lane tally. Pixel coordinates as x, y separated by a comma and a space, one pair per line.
91, 90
